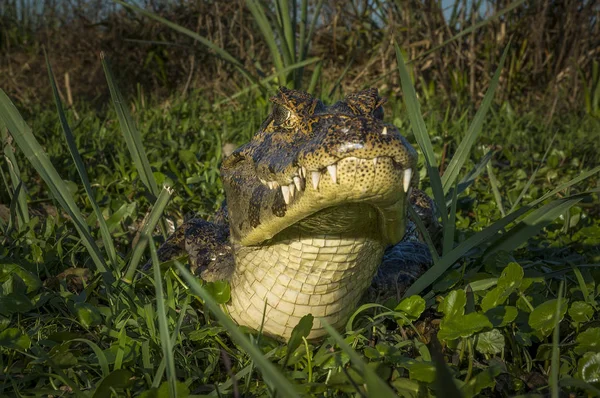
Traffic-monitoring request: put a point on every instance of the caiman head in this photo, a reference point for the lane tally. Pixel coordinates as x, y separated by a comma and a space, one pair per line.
308, 161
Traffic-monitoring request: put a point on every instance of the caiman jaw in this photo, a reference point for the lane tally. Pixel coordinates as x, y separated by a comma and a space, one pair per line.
349, 180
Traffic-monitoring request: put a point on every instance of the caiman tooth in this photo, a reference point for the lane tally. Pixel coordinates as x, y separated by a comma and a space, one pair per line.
271, 185
316, 177
292, 188
374, 160
303, 171
285, 190
406, 179
332, 169
298, 183
384, 131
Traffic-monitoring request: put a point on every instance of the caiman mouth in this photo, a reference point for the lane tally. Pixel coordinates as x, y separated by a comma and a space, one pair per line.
313, 195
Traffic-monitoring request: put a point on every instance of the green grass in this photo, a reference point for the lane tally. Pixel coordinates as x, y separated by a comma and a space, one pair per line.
70, 325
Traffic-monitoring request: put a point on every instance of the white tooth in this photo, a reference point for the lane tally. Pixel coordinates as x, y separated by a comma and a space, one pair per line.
298, 183
275, 184
384, 131
270, 184
303, 171
406, 179
332, 169
291, 186
316, 177
285, 190
263, 181
374, 162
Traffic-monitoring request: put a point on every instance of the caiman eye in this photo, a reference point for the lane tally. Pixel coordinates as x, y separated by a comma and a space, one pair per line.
280, 114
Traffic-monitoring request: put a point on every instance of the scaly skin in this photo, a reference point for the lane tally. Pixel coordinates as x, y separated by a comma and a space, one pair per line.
314, 200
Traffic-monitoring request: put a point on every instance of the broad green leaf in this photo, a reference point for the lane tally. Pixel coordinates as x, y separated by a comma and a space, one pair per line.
219, 290
482, 380
589, 369
87, 314
117, 380
15, 339
454, 303
181, 391
300, 331
588, 341
456, 326
412, 306
490, 342
15, 303
422, 371
508, 282
581, 311
7, 270
511, 277
542, 318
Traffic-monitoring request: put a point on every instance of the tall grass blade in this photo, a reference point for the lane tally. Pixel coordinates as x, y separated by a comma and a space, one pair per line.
444, 383
469, 179
450, 226
534, 223
464, 148
269, 371
212, 46
267, 32
555, 361
375, 386
15, 176
163, 323
132, 136
495, 188
34, 152
13, 220
149, 226
287, 21
314, 79
104, 232
418, 126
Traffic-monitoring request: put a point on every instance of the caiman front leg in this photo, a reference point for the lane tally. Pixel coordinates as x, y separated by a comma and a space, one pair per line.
207, 245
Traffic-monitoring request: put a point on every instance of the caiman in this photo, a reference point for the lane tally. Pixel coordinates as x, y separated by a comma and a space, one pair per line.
316, 216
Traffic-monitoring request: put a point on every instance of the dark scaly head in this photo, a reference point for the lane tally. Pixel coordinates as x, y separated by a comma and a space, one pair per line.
326, 168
